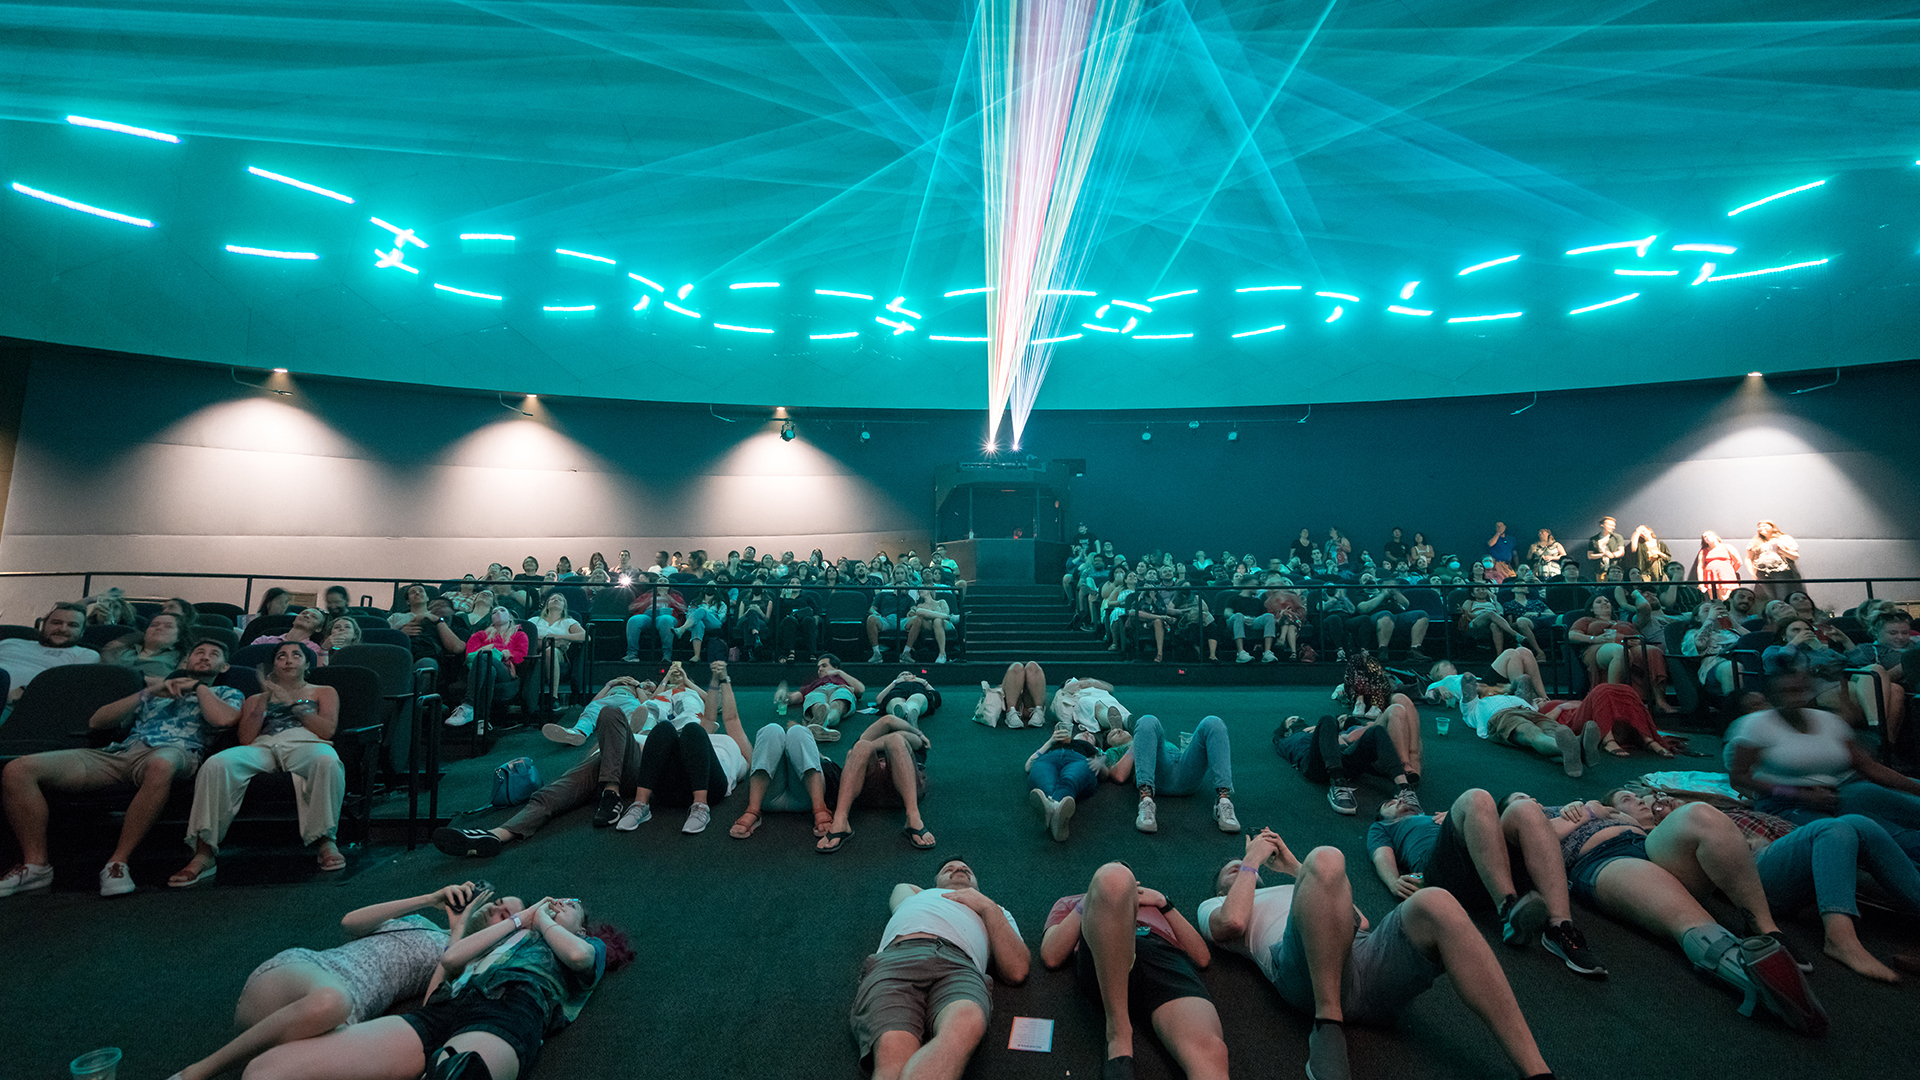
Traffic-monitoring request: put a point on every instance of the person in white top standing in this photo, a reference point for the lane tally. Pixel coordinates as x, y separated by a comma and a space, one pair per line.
1317, 949
57, 646
924, 1001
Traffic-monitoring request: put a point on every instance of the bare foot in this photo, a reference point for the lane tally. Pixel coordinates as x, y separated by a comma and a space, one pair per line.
1862, 961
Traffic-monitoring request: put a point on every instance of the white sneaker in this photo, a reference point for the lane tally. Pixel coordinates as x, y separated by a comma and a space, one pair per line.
461, 716
941, 659
1146, 820
1269, 657
115, 879
1223, 815
1013, 719
878, 657
1062, 813
25, 877
630, 658
634, 816
569, 736
1241, 657
906, 656
698, 815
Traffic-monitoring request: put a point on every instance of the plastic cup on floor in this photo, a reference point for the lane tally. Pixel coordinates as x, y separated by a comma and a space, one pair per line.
1442, 722
1185, 738
96, 1064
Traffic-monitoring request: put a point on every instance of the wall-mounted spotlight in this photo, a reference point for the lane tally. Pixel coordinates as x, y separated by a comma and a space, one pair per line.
234, 374
1233, 434
786, 431
1146, 435
1753, 375
279, 371
1193, 425
865, 435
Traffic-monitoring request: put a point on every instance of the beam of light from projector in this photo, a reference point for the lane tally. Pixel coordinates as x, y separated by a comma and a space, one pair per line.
1406, 291
1339, 296
753, 285
465, 292
1066, 292
269, 253
1134, 306
671, 306
1603, 303
648, 282
1490, 262
401, 237
1269, 288
568, 308
950, 337
966, 292
1398, 310
1775, 195
1486, 318
1639, 246
1262, 330
485, 236
1337, 312
1706, 273
837, 292
301, 184
1769, 270
1171, 295
1717, 249
47, 196
1160, 337
1647, 273
742, 329
124, 129
848, 334
583, 255
1048, 73
644, 301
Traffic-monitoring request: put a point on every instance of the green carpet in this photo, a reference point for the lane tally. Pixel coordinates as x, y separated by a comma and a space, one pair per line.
749, 949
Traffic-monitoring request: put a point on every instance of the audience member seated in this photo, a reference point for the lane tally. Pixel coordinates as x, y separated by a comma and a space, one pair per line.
825, 701
1358, 973
287, 727
1650, 878
803, 613
924, 1002
511, 986
1163, 769
341, 633
886, 767
1389, 610
274, 601
1338, 749
494, 652
1615, 652
1711, 640
416, 610
336, 601
1480, 614
1802, 763
693, 751
1892, 651
929, 613
653, 607
305, 630
1818, 863
1245, 609
1470, 850
172, 720
753, 619
57, 645
1139, 958
706, 613
1797, 649
392, 957
885, 611
1567, 594
154, 652
557, 633
1526, 608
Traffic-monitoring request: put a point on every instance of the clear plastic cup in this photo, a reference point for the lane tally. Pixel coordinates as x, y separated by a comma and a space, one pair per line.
96, 1064
1442, 722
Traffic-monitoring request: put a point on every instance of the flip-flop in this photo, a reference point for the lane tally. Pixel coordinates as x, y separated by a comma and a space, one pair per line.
913, 836
206, 874
750, 821
836, 840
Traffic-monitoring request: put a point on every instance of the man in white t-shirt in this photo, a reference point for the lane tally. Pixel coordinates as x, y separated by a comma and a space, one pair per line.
924, 1001
57, 646
1512, 719
1315, 947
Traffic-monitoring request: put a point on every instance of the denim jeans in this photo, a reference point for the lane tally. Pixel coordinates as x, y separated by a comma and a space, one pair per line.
1261, 623
662, 623
1820, 862
1208, 753
1060, 773
703, 619
786, 755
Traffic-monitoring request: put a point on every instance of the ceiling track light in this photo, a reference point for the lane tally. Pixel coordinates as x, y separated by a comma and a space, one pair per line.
1146, 434
865, 435
1233, 433
503, 404
786, 431
234, 374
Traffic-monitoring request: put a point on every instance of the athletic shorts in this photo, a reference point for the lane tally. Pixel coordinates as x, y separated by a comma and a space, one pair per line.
904, 987
1383, 974
1583, 877
517, 1017
823, 695
1161, 973
1450, 867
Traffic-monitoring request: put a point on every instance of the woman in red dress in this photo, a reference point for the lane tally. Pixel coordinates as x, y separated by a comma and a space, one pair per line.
1718, 566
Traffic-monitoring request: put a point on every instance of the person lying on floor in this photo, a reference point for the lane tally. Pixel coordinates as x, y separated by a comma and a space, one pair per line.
1340, 748
1136, 955
1513, 720
1516, 668
1817, 863
923, 1002
1166, 769
827, 700
622, 693
909, 697
886, 767
511, 986
1655, 878
1089, 705
1358, 973
615, 766
1065, 770
1507, 863
392, 959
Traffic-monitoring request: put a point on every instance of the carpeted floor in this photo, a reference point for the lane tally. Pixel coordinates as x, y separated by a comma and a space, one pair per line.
749, 950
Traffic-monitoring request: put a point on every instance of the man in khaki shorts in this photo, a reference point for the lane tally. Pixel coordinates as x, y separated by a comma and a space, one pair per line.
171, 724
923, 998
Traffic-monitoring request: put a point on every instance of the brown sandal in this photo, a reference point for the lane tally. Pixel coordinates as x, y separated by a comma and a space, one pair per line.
746, 826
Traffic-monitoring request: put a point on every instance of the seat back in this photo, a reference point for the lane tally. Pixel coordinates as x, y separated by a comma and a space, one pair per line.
210, 618
386, 635
12, 631
215, 607
265, 624
244, 679
96, 637
251, 656
847, 605
393, 664
209, 632
58, 703
359, 690
370, 622
610, 604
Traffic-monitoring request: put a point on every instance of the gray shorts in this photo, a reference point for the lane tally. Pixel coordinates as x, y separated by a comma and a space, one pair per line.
889, 622
905, 987
1383, 973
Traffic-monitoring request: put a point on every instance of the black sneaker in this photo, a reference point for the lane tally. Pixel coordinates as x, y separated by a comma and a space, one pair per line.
1521, 917
1340, 797
462, 843
608, 811
1418, 657
1327, 1052
1569, 944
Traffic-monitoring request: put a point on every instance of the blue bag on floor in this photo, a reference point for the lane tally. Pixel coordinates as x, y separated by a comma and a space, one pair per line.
514, 782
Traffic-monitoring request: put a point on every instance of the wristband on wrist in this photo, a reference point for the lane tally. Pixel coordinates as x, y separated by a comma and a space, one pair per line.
516, 922
1249, 868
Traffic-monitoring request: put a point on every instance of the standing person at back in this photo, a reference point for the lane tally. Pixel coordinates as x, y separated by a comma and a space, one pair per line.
1605, 547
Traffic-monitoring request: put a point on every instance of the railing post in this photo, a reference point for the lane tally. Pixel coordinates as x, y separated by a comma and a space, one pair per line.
86, 585
246, 603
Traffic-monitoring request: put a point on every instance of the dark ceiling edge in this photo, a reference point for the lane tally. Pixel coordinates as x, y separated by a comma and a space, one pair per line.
1205, 414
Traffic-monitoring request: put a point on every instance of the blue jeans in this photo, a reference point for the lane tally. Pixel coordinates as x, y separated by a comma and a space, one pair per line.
1261, 623
1208, 753
1820, 862
1895, 811
1060, 773
662, 623
786, 755
702, 620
